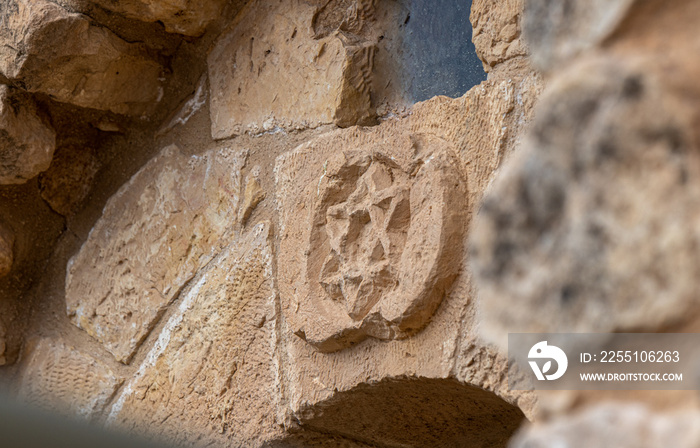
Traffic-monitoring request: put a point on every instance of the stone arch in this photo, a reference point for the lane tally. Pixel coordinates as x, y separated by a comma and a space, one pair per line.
416, 412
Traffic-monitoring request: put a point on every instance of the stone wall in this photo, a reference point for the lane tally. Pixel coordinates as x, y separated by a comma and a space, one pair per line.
592, 222
228, 223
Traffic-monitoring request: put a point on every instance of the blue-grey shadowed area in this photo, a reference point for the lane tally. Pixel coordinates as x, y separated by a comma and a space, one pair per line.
439, 56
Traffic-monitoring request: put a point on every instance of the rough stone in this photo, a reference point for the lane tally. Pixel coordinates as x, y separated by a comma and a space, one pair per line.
7, 241
67, 182
409, 412
558, 30
188, 17
252, 196
594, 219
27, 141
188, 109
484, 125
372, 234
44, 48
59, 378
155, 233
177, 280
211, 377
496, 31
447, 349
614, 425
272, 46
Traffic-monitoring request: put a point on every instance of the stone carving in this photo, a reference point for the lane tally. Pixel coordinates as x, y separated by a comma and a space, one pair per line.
385, 239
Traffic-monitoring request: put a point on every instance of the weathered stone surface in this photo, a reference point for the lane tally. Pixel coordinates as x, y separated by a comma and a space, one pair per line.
372, 234
410, 412
595, 218
27, 142
252, 196
558, 30
226, 367
46, 49
614, 426
7, 241
188, 17
212, 375
272, 46
484, 125
188, 109
59, 378
67, 182
496, 31
448, 348
155, 233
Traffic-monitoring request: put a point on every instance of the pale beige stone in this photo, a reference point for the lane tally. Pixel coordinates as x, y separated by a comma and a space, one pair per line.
211, 377
496, 31
59, 378
344, 391
27, 142
614, 425
558, 30
252, 196
188, 17
594, 221
373, 233
484, 125
47, 49
270, 72
155, 233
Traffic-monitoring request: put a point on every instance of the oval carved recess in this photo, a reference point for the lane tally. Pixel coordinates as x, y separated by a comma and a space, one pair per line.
384, 239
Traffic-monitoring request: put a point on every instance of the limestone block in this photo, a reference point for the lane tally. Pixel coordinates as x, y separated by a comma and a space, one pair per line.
372, 234
211, 377
27, 142
155, 233
269, 48
67, 182
342, 198
59, 378
557, 30
7, 240
614, 425
188, 17
484, 125
594, 222
252, 196
496, 31
44, 48
476, 132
